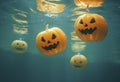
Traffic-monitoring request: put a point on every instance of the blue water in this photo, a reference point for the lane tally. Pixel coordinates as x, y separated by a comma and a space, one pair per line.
33, 66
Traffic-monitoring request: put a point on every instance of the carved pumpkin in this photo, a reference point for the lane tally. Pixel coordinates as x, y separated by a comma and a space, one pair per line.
91, 3
91, 27
78, 61
19, 46
51, 41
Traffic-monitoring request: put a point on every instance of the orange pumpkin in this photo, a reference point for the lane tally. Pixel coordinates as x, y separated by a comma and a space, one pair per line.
51, 41
91, 3
91, 27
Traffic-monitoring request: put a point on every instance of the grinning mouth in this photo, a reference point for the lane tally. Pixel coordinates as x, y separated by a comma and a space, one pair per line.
50, 47
17, 48
87, 30
77, 66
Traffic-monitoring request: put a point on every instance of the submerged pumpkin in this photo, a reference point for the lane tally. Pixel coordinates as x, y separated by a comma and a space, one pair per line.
78, 61
51, 41
91, 27
19, 46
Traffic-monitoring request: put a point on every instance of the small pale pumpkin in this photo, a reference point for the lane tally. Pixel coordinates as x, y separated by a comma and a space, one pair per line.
19, 46
51, 41
78, 61
91, 27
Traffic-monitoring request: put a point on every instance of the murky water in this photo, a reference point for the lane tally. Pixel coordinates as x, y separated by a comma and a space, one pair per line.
20, 19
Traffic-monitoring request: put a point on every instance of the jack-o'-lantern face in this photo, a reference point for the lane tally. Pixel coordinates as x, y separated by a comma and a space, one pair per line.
51, 41
88, 27
91, 27
78, 61
19, 46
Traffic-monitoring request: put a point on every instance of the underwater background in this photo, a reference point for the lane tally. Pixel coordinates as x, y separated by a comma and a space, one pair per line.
33, 66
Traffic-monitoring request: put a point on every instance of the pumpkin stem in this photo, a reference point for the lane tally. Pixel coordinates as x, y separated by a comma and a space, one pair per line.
46, 27
87, 8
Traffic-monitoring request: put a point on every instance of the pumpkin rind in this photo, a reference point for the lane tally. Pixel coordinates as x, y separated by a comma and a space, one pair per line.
55, 41
94, 27
78, 61
19, 46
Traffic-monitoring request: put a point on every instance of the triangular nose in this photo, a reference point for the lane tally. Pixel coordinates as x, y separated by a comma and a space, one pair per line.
48, 41
86, 25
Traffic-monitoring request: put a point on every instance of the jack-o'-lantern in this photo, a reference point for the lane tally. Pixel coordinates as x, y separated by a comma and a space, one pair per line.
91, 27
19, 46
78, 61
51, 41
91, 3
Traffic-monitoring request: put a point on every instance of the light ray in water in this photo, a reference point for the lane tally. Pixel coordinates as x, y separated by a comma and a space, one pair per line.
78, 13
22, 14
32, 10
74, 36
78, 46
20, 30
49, 7
20, 11
19, 20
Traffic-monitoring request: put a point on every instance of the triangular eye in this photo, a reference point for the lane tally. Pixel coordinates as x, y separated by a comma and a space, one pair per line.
81, 62
81, 21
17, 43
23, 44
92, 20
53, 36
42, 39
75, 61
